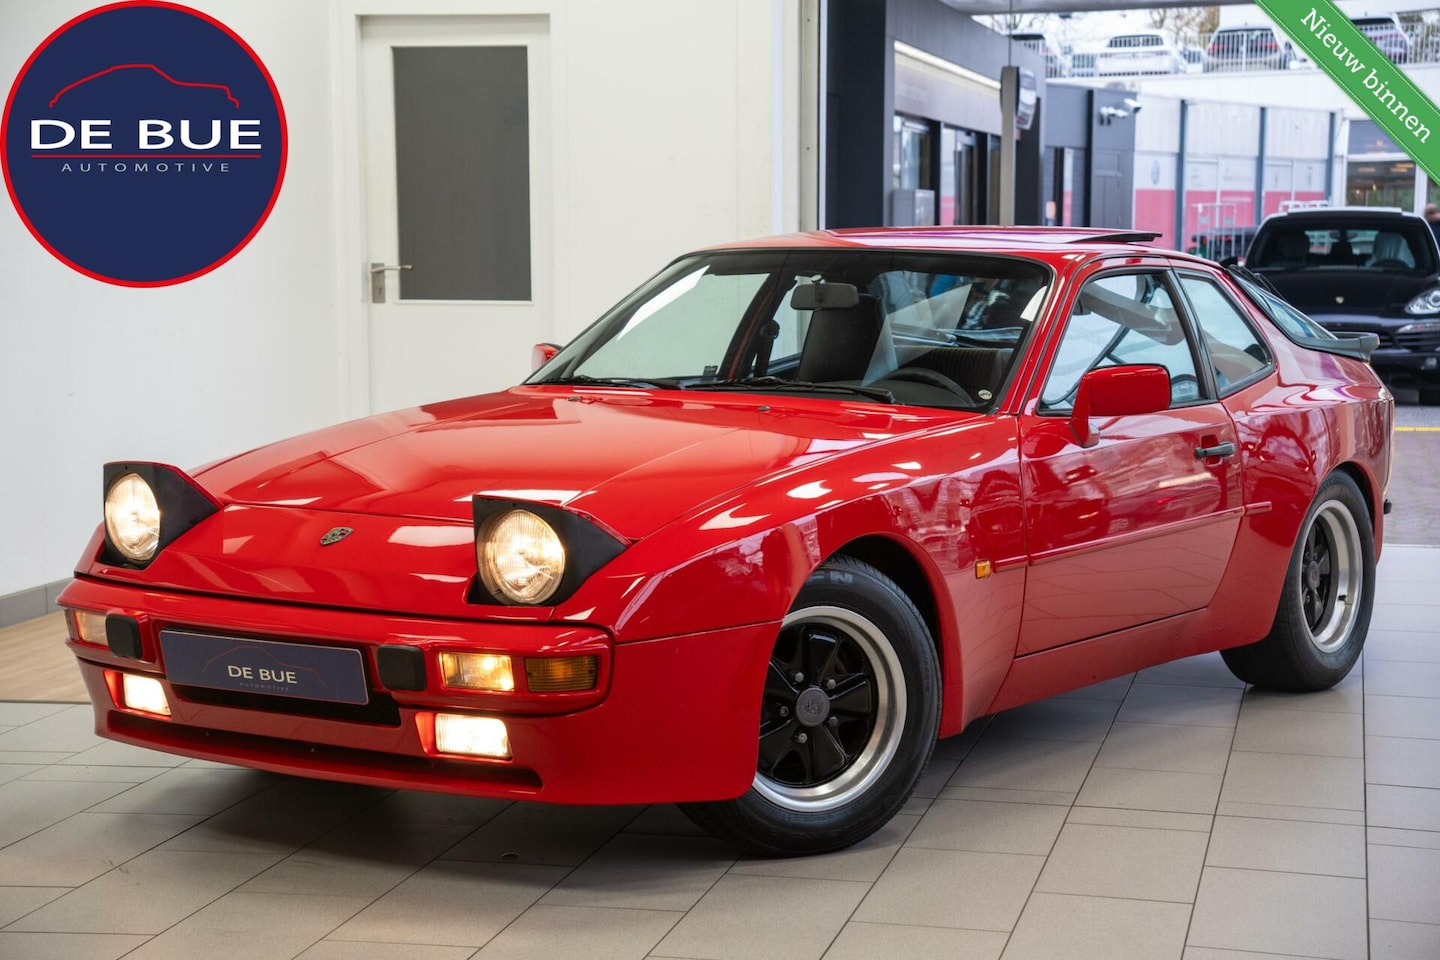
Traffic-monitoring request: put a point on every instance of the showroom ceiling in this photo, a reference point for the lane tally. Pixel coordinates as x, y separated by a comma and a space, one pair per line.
1000, 7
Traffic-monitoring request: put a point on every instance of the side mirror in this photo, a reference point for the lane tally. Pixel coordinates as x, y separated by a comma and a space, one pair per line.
541, 354
1118, 392
1230, 262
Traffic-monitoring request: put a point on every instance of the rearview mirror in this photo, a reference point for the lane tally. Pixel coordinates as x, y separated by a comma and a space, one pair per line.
1118, 392
541, 354
824, 296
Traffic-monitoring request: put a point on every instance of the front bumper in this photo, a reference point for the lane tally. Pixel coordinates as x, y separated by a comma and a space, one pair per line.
1407, 367
673, 719
1406, 359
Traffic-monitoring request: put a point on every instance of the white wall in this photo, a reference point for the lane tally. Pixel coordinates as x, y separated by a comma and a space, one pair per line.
678, 128
91, 372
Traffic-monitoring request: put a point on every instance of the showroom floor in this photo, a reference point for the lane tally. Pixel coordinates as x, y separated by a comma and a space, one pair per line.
1168, 814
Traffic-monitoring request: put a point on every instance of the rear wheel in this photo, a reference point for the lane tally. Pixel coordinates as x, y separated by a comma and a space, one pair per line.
1324, 610
848, 718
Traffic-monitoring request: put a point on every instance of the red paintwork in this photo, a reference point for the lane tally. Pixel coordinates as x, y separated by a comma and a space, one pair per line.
1105, 558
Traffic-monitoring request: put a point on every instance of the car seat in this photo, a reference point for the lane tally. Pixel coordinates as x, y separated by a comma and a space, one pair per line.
839, 343
1390, 246
1294, 249
980, 370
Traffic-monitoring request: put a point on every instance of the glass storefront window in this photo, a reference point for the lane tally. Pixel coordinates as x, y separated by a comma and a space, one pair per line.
1380, 183
911, 165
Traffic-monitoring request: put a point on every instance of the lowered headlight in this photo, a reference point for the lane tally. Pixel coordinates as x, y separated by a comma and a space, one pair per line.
132, 518
520, 556
1428, 302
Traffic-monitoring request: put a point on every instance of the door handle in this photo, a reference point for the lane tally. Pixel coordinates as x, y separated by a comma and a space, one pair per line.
377, 279
1226, 449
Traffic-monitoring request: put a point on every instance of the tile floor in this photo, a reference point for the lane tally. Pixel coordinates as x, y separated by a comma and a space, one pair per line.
1171, 814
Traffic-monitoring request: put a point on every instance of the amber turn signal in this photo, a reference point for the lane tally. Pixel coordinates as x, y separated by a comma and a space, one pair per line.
86, 626
561, 674
477, 671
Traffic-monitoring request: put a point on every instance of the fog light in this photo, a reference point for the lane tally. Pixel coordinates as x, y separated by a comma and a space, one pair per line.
561, 674
471, 736
145, 694
477, 671
86, 626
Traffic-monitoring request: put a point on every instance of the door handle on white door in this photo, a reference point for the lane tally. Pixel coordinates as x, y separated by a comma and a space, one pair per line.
377, 279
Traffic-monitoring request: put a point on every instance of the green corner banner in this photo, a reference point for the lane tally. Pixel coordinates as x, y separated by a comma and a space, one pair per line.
1377, 86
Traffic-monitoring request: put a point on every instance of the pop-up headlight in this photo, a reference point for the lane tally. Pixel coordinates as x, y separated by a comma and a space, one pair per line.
148, 505
533, 553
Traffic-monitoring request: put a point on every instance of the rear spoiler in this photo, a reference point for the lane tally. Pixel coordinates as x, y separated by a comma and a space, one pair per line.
1346, 343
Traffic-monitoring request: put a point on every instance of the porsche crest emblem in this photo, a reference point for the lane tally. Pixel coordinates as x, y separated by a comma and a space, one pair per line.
335, 535
1339, 299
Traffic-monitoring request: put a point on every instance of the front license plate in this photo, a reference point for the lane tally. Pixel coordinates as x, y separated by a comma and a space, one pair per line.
336, 674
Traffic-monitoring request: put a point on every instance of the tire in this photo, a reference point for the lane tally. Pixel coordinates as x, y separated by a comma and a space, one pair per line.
1429, 398
842, 747
1320, 623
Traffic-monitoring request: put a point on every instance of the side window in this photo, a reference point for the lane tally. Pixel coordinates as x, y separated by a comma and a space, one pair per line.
1122, 320
1236, 350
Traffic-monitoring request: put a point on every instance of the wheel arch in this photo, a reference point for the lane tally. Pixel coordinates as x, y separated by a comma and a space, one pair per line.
1368, 490
907, 566
899, 564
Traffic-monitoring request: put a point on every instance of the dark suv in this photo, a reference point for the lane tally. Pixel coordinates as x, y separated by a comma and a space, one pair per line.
1362, 269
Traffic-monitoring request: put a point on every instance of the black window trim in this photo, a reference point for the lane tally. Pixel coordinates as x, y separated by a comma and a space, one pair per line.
1202, 371
1271, 365
1356, 346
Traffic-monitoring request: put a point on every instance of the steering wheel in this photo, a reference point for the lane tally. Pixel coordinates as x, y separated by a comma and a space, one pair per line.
933, 378
1188, 388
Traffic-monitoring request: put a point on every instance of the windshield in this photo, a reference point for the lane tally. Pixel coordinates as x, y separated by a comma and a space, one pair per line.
1400, 244
915, 328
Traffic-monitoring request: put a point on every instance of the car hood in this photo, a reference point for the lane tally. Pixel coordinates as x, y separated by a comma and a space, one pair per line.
1370, 292
632, 460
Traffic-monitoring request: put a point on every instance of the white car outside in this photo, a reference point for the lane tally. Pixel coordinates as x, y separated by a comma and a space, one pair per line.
1140, 52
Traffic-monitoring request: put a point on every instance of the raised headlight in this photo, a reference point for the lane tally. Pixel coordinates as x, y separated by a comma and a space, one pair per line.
132, 518
520, 556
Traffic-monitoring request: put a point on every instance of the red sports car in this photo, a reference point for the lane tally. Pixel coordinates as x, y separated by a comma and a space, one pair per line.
752, 541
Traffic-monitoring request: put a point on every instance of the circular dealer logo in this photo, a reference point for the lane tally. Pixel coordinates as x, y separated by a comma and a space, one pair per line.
143, 143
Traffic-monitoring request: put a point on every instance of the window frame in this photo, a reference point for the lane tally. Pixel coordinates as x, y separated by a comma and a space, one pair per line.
1271, 364
1166, 274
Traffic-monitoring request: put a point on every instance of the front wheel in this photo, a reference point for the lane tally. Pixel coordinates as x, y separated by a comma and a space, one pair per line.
848, 718
1324, 611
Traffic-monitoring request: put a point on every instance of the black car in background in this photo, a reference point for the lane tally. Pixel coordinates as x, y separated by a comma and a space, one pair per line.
1362, 269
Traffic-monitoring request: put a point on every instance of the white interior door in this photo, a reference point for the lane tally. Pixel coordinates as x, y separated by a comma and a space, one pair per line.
456, 149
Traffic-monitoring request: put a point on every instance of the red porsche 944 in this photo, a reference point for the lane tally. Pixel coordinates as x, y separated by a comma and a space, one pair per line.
750, 543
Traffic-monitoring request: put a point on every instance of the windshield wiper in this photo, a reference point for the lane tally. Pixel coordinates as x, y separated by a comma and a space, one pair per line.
796, 386
584, 379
